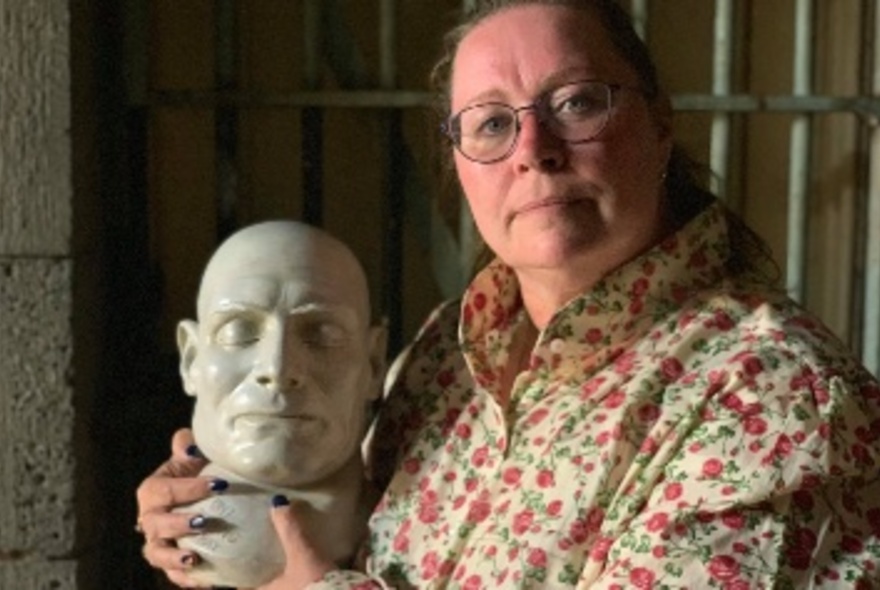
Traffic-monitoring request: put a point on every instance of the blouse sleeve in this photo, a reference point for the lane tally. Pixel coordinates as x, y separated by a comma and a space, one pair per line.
401, 413
782, 495
348, 580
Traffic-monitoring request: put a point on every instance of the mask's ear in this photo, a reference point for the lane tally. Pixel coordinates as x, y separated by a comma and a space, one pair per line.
378, 344
188, 347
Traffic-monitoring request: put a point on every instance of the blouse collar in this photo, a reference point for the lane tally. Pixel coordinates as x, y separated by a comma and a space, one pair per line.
600, 322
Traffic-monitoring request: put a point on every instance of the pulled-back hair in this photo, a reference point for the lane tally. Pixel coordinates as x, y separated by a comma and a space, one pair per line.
686, 180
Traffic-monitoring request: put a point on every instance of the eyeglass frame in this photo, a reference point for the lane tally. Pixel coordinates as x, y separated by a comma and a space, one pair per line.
539, 106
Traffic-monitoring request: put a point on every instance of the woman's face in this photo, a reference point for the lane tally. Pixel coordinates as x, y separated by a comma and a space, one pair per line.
551, 204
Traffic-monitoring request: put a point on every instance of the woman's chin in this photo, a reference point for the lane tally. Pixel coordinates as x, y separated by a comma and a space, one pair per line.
549, 254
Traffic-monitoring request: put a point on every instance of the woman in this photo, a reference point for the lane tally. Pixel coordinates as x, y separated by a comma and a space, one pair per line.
618, 400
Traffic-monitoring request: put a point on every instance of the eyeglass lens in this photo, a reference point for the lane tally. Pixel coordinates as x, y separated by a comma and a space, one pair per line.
575, 112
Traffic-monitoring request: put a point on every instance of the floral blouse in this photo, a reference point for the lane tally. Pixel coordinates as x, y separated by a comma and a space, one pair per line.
674, 429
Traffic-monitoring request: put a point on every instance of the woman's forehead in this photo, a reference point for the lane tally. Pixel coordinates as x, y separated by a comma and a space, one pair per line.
531, 46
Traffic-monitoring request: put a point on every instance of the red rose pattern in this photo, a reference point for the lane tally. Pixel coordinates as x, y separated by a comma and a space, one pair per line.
674, 430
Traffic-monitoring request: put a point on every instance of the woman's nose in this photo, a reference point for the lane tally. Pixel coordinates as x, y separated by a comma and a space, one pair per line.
537, 148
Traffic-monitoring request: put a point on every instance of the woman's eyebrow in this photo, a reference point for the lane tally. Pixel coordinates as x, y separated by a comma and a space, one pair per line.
489, 95
555, 79
565, 76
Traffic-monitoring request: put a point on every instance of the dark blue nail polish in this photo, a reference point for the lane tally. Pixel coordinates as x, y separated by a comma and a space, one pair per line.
279, 501
194, 452
198, 522
218, 485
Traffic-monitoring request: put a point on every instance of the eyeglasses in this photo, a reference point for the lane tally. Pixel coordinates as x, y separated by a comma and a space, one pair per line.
576, 113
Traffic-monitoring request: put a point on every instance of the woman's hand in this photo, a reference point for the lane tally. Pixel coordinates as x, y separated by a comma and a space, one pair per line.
175, 482
304, 566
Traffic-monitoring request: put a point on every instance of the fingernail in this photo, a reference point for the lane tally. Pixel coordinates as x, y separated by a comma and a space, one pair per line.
218, 485
189, 560
279, 501
194, 452
198, 522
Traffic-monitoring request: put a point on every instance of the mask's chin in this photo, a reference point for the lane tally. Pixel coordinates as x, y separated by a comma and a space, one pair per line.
281, 462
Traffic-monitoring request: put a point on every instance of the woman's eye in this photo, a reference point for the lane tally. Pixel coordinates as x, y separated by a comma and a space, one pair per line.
495, 125
238, 332
581, 104
577, 104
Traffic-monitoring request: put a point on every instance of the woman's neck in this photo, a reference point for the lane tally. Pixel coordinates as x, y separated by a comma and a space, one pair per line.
544, 292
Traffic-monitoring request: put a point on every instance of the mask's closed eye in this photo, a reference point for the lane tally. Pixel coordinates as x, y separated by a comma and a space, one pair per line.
238, 332
324, 335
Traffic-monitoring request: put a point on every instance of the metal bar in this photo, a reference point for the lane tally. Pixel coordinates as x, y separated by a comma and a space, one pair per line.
799, 162
640, 17
136, 24
312, 118
388, 44
721, 86
340, 49
871, 306
865, 106
312, 36
467, 240
395, 179
395, 213
349, 70
860, 105
376, 99
863, 186
121, 134
226, 118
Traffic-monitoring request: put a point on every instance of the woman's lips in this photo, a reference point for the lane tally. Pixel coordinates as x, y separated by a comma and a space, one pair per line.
544, 204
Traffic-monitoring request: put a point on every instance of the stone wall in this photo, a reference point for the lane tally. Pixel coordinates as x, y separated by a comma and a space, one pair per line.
37, 463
